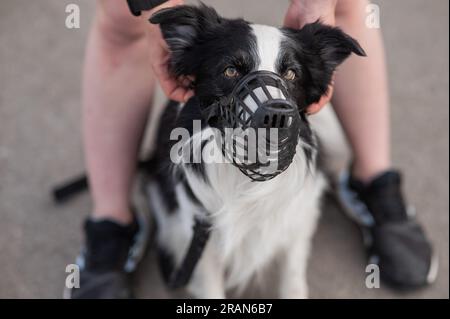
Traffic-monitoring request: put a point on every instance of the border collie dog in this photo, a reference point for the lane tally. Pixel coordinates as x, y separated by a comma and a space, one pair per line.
253, 224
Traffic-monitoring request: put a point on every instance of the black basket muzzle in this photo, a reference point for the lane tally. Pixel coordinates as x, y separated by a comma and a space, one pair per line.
261, 125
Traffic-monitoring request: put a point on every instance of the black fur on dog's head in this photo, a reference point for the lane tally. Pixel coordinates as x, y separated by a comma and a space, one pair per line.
205, 45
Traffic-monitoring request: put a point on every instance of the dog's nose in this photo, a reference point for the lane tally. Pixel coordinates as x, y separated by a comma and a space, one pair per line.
275, 114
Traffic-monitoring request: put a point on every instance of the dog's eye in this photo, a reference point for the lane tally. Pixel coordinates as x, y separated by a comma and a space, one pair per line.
290, 75
231, 72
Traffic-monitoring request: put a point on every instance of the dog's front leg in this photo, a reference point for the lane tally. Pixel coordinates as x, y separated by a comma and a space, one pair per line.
293, 283
208, 278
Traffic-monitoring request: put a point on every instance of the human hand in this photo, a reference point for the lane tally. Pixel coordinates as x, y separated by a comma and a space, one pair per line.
176, 89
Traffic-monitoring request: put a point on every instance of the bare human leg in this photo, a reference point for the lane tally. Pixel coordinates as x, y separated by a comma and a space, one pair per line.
361, 97
118, 87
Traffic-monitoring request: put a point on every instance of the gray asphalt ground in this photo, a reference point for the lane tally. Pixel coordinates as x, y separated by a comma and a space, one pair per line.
40, 145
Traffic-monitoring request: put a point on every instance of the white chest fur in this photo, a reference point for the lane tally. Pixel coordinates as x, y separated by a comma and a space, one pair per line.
254, 221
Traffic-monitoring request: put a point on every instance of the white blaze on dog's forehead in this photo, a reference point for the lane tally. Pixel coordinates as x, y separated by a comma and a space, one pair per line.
268, 40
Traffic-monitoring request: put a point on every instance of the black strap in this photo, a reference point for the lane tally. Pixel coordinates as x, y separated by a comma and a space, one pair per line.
64, 192
180, 276
136, 6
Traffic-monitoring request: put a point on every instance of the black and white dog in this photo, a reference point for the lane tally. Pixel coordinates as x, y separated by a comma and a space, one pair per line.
254, 222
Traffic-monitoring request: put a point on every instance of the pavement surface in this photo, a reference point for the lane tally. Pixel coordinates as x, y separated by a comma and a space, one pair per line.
40, 145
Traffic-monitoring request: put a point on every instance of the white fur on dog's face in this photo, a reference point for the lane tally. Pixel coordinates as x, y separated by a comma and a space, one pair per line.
268, 41
268, 50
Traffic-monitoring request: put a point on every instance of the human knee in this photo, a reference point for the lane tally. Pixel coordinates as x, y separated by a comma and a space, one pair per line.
351, 9
116, 24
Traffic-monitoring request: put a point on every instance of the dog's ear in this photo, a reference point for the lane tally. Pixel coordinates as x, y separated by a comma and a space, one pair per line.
322, 48
182, 28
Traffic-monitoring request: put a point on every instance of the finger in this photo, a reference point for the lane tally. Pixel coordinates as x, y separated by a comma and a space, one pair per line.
188, 95
186, 81
324, 100
171, 3
178, 94
172, 88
